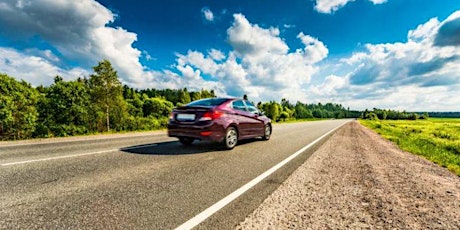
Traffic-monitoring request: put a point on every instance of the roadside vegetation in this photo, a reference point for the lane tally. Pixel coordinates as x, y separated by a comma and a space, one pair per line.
101, 103
436, 139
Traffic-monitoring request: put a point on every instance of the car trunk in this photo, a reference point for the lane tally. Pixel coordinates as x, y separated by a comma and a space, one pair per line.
189, 114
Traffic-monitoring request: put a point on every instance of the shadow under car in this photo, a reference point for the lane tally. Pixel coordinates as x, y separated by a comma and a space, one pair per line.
176, 148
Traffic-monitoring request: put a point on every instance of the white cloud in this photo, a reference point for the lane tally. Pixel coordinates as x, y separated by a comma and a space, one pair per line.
329, 6
260, 64
251, 40
449, 31
147, 56
217, 55
288, 26
315, 50
207, 14
424, 31
34, 69
420, 74
378, 1
198, 60
78, 30
416, 75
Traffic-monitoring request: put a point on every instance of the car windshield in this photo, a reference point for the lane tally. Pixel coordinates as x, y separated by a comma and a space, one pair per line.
210, 102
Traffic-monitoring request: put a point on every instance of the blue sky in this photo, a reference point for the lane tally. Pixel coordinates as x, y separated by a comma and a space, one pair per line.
392, 54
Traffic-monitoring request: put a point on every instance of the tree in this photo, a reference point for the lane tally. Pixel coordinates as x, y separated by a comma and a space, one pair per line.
18, 114
318, 113
272, 110
301, 111
195, 96
283, 116
207, 94
184, 96
157, 107
105, 88
64, 109
424, 116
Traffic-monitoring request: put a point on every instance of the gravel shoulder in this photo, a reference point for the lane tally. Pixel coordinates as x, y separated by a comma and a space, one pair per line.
359, 180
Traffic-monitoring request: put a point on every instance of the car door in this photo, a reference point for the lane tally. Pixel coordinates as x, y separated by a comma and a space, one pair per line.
242, 118
256, 125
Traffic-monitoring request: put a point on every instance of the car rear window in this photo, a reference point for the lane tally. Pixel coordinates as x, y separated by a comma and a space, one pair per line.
208, 102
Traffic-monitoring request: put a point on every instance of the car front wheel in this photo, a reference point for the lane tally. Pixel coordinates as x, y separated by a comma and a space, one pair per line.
267, 132
231, 138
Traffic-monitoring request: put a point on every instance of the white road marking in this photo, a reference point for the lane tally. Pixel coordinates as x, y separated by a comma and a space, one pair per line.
75, 155
226, 200
77, 139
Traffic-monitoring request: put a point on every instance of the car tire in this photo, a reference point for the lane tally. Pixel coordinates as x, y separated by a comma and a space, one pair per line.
231, 138
267, 132
186, 140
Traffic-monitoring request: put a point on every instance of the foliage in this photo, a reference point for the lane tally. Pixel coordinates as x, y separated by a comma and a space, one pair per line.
444, 114
157, 107
18, 113
285, 110
106, 90
98, 104
178, 96
101, 103
381, 114
64, 109
438, 140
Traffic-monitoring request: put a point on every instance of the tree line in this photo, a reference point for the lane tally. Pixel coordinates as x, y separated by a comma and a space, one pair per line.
96, 104
382, 114
285, 110
101, 103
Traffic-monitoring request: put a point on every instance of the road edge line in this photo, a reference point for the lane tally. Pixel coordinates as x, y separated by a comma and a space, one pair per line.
75, 155
198, 219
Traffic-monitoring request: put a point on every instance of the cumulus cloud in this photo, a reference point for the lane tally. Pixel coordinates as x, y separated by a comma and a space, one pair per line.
77, 29
315, 50
449, 31
251, 40
329, 6
411, 75
419, 73
260, 64
34, 69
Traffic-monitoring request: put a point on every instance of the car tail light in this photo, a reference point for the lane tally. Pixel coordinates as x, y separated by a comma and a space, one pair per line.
206, 133
171, 116
209, 116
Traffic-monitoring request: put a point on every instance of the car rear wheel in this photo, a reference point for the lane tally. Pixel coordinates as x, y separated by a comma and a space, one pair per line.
231, 138
186, 140
267, 132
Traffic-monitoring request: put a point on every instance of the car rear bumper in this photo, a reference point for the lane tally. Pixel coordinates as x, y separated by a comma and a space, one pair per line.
212, 132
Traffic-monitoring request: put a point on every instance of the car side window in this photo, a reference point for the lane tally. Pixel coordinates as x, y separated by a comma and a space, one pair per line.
239, 105
251, 107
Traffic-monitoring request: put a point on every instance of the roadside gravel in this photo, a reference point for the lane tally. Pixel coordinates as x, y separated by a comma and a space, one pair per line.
359, 180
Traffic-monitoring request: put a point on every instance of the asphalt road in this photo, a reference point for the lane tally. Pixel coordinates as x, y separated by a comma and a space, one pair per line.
142, 181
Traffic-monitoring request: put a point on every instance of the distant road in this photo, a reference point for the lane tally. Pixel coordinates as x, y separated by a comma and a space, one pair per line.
143, 181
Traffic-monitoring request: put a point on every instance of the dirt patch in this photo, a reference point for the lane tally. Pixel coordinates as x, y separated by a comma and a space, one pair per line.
359, 180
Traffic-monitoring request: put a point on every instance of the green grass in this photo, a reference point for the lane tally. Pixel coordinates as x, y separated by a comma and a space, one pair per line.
436, 139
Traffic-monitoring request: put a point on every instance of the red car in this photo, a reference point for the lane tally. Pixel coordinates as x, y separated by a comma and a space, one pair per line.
224, 120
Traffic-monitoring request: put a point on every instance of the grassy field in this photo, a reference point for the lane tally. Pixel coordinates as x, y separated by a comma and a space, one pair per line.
436, 139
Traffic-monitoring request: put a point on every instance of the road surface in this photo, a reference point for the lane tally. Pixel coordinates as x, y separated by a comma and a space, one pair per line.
143, 181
